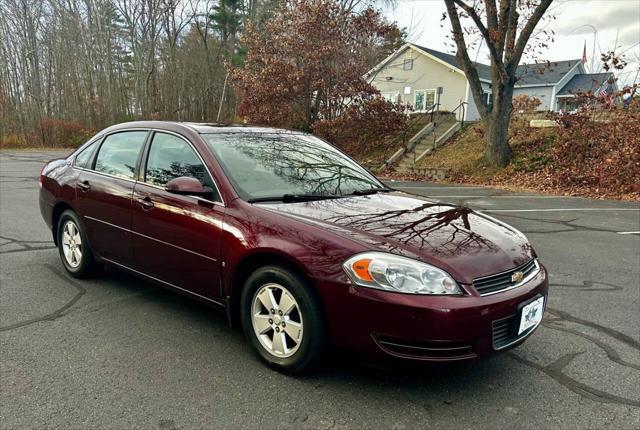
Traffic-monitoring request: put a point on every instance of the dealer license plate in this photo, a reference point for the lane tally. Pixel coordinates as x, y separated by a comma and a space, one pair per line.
531, 315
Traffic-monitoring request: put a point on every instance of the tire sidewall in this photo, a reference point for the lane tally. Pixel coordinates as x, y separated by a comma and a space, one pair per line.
86, 260
313, 337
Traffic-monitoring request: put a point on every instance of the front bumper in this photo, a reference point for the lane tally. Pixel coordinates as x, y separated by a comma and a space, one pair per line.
431, 328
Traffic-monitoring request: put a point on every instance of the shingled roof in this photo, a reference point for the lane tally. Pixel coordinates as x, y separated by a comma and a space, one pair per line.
590, 82
548, 73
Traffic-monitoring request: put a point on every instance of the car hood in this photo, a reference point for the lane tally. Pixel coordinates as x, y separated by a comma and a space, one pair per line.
463, 242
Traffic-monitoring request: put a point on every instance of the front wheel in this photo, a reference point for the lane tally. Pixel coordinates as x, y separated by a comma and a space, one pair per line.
73, 246
282, 319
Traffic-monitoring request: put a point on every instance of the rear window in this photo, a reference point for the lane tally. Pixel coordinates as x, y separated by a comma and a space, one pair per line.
84, 157
118, 155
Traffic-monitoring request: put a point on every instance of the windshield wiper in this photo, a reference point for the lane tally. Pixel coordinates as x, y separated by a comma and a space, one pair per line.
292, 198
369, 191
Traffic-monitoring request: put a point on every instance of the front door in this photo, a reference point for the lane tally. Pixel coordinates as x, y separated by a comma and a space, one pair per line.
103, 195
177, 237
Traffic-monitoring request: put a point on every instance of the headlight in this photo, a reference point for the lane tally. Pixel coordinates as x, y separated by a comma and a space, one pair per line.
399, 274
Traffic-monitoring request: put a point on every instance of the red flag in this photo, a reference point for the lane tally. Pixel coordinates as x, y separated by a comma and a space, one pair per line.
584, 53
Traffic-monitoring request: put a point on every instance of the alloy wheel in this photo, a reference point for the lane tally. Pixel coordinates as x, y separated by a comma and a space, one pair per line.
277, 320
72, 244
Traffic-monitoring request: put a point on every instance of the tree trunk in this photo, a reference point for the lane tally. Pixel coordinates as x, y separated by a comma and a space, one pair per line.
498, 151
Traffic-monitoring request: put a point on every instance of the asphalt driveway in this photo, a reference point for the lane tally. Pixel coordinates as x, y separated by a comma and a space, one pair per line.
117, 352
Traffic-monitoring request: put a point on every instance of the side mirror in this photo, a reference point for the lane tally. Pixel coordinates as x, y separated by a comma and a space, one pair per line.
186, 185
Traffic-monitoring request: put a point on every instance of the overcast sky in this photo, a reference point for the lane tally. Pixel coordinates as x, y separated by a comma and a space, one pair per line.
577, 22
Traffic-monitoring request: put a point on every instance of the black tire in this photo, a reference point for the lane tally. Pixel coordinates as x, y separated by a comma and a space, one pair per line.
86, 265
313, 341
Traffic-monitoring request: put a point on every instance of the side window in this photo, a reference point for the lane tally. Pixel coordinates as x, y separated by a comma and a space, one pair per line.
118, 154
171, 157
83, 158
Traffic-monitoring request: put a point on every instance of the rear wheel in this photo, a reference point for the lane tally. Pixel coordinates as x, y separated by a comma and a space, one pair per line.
282, 319
74, 248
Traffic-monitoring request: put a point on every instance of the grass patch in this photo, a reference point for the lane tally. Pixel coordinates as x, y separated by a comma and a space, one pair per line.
462, 155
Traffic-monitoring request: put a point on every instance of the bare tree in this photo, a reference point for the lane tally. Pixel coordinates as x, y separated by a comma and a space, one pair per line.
70, 66
506, 29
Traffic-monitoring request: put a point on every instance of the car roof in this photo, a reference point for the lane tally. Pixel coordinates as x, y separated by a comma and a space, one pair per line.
201, 128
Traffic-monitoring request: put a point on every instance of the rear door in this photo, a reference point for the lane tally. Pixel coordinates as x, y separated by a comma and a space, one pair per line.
103, 194
177, 237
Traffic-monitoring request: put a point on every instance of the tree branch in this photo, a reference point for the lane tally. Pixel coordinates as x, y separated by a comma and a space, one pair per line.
497, 59
505, 7
492, 13
512, 29
526, 32
463, 57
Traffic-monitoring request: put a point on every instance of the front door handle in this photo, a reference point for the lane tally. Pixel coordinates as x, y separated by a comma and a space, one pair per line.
84, 186
145, 202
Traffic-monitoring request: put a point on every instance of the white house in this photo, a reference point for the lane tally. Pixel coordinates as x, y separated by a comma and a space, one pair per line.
413, 74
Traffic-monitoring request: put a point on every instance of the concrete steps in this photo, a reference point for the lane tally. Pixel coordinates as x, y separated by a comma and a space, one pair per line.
423, 143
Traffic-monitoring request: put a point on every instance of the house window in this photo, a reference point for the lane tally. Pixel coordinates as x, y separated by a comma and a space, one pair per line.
408, 64
391, 97
424, 100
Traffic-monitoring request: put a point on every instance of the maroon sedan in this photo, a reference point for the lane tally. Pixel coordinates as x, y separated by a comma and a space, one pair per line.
297, 242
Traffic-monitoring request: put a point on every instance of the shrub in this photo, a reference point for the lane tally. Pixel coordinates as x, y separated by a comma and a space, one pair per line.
524, 103
12, 141
365, 123
601, 153
60, 133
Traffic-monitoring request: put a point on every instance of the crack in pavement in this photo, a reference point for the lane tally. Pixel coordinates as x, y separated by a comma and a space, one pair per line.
58, 312
25, 244
566, 223
555, 369
628, 340
591, 286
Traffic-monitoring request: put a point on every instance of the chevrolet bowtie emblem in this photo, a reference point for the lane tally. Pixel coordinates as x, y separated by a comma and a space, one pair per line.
517, 277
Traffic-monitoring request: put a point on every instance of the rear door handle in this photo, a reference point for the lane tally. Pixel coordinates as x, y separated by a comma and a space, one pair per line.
145, 202
84, 186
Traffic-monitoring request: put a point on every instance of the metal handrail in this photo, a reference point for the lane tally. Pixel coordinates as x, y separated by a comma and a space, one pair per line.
433, 110
462, 108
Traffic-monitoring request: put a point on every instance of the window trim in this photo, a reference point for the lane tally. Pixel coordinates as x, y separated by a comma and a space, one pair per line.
97, 139
424, 90
92, 167
94, 141
100, 140
407, 61
141, 177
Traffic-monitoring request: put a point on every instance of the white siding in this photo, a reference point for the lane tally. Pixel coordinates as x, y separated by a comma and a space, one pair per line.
543, 93
426, 74
472, 113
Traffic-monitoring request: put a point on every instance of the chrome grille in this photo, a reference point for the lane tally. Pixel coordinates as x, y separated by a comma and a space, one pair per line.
504, 281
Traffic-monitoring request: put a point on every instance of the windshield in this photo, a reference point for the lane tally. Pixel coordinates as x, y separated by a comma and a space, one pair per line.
264, 165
